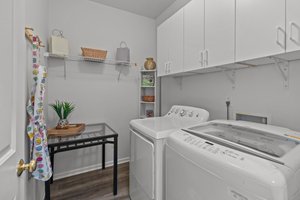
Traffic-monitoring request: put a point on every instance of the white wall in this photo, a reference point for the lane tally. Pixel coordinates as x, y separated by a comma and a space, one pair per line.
258, 91
178, 4
93, 87
37, 18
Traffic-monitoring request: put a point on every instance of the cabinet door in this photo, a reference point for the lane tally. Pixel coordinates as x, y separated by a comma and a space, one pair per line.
162, 48
293, 25
193, 35
175, 34
219, 32
260, 28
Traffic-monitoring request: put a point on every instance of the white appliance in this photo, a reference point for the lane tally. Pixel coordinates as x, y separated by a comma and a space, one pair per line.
233, 160
147, 149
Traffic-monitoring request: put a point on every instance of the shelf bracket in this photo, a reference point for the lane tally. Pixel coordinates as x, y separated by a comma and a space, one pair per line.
245, 64
231, 75
65, 69
283, 66
119, 76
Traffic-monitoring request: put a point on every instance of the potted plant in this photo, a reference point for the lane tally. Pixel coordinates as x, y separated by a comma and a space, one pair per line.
63, 109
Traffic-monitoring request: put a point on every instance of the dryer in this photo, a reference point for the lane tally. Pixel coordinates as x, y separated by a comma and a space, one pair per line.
233, 160
147, 137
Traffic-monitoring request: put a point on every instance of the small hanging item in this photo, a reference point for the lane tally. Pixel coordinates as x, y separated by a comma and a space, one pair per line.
123, 53
36, 129
58, 44
29, 35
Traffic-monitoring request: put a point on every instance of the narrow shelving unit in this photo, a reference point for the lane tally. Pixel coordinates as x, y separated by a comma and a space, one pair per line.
149, 88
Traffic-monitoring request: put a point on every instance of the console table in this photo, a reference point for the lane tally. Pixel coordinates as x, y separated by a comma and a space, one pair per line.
93, 135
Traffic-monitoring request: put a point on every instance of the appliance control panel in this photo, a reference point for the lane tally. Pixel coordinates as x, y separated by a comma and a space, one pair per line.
185, 112
209, 146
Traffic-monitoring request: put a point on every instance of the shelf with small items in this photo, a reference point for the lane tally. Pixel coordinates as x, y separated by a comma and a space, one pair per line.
71, 58
148, 93
88, 59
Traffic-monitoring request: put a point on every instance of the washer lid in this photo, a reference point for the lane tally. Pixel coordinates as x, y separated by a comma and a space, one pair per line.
273, 144
160, 127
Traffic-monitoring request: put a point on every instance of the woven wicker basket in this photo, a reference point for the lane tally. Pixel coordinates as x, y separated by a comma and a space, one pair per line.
94, 53
148, 98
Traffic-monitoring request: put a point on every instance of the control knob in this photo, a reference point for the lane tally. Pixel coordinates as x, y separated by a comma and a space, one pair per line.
182, 113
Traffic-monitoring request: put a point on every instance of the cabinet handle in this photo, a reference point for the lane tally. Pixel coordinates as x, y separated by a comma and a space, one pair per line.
206, 57
166, 67
201, 58
279, 29
293, 24
169, 68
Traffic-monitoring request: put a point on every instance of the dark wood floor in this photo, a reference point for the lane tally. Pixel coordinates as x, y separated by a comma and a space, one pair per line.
95, 185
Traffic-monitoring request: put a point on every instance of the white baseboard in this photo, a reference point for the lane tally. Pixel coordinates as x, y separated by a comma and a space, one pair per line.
65, 174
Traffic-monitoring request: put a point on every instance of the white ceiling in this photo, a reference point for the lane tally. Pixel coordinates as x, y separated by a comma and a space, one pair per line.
147, 8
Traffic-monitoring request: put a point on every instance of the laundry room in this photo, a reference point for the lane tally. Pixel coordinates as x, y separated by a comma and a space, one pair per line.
150, 100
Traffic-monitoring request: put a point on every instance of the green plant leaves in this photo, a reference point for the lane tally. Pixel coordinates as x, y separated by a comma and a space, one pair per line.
67, 109
63, 108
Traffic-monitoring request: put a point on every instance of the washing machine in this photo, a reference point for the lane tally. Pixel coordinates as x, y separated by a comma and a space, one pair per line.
233, 160
147, 137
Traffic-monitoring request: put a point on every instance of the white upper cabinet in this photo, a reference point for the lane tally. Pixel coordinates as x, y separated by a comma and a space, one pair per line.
162, 49
208, 33
176, 43
170, 45
219, 32
260, 28
194, 35
293, 25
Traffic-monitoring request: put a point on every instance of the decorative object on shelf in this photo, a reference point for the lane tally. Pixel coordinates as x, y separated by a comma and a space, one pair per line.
150, 64
149, 113
63, 109
91, 54
58, 44
29, 35
73, 129
148, 98
148, 80
123, 53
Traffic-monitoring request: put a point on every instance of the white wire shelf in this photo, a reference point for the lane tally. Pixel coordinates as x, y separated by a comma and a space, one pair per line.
148, 102
89, 59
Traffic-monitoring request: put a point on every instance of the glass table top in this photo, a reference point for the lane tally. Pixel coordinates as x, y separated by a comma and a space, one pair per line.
91, 132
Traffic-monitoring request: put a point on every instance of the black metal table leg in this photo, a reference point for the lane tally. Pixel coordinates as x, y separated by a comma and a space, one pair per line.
51, 152
47, 190
47, 183
103, 154
115, 167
